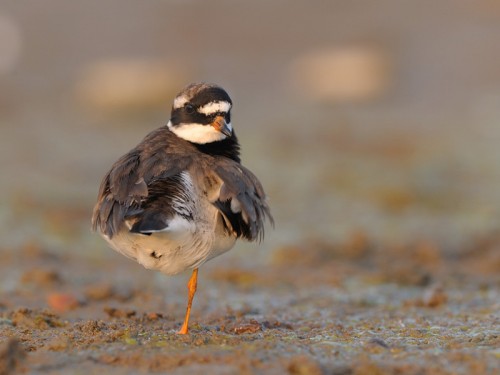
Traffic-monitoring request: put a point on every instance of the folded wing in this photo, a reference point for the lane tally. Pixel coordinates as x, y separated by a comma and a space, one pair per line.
146, 188
241, 200
137, 193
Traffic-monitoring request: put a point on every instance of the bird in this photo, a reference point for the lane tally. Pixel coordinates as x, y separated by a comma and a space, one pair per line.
181, 196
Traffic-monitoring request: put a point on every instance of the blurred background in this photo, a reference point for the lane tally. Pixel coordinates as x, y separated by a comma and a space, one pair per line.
359, 117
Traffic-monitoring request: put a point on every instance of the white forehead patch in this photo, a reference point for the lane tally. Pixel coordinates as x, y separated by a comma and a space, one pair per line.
215, 107
197, 133
180, 101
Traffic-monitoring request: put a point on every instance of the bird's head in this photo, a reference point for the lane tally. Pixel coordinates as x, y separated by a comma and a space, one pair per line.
201, 114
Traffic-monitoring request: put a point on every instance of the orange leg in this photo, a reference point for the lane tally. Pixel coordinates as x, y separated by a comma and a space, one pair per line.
193, 281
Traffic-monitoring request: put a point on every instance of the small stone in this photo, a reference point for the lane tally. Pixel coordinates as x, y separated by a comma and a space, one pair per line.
62, 302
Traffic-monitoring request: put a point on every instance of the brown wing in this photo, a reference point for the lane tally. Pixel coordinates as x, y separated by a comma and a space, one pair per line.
241, 199
140, 183
136, 182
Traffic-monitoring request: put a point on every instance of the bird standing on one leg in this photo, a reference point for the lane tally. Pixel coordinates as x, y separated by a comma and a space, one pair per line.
181, 196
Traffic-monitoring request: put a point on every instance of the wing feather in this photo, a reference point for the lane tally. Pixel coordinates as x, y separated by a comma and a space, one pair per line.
136, 185
241, 186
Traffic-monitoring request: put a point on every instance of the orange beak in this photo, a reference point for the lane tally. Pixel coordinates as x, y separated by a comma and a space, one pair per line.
220, 125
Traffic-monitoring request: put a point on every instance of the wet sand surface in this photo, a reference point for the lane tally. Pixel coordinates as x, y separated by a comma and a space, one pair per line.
350, 308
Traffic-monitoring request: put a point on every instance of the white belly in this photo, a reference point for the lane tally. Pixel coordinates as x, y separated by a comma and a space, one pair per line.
182, 245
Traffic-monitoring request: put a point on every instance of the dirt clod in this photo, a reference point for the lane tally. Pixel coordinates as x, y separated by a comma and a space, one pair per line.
303, 365
434, 296
99, 292
277, 325
41, 277
37, 319
58, 344
251, 327
154, 316
119, 313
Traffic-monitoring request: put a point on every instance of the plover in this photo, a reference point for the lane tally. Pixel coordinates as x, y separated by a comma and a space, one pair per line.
181, 196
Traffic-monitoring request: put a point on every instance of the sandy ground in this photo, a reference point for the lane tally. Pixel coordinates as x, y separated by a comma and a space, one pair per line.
350, 308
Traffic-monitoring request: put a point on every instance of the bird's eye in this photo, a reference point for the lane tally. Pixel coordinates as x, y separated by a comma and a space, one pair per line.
189, 108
